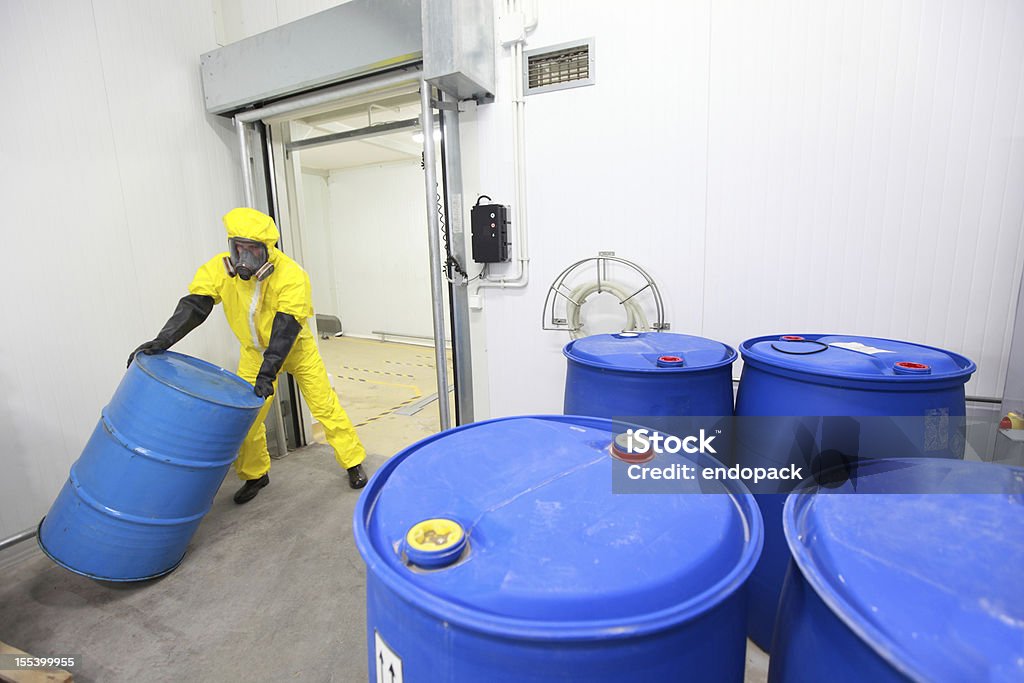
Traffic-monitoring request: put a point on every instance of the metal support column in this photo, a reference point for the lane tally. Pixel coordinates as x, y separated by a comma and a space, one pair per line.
451, 159
248, 188
434, 240
242, 129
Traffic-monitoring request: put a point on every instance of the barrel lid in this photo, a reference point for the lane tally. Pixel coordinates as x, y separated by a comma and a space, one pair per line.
198, 378
548, 545
931, 581
650, 352
859, 358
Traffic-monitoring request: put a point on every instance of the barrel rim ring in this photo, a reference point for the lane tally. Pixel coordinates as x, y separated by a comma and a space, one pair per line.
155, 456
731, 357
230, 375
869, 635
97, 577
967, 367
82, 493
895, 383
881, 644
521, 628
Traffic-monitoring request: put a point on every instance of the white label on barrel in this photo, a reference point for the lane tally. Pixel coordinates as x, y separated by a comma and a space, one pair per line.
861, 348
389, 665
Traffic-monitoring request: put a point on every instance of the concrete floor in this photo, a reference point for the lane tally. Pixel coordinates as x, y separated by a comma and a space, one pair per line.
269, 591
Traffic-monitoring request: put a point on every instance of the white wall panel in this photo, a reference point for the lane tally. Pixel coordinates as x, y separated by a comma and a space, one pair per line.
619, 166
238, 19
114, 184
379, 237
318, 251
866, 172
861, 166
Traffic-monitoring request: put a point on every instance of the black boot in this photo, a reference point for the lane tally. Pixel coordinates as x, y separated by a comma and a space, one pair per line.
250, 488
357, 477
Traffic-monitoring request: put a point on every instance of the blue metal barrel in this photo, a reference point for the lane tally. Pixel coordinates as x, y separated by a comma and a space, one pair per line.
815, 400
910, 573
632, 374
150, 471
497, 552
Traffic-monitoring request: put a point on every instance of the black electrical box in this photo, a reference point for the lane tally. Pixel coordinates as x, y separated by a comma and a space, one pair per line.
490, 233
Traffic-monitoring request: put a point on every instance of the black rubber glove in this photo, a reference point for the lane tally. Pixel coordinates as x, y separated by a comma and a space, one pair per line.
192, 310
263, 387
283, 334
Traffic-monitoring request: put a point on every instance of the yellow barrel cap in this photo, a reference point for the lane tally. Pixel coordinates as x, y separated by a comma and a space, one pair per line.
432, 535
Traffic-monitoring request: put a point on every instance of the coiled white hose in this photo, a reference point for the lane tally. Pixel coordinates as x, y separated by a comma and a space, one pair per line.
636, 319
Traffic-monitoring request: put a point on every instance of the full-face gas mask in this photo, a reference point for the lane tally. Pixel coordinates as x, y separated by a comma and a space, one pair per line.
248, 258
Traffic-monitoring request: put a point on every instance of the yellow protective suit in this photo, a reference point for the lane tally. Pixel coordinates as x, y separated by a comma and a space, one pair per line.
250, 307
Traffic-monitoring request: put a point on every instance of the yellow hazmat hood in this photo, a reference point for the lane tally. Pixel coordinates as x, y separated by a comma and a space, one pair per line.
252, 225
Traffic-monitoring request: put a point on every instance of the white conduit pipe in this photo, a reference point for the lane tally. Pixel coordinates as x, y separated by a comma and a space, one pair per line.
635, 317
522, 276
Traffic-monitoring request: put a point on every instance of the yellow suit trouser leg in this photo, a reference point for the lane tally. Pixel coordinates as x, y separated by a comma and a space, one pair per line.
306, 365
253, 457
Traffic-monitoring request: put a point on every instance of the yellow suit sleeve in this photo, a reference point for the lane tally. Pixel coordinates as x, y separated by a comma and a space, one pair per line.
295, 295
209, 279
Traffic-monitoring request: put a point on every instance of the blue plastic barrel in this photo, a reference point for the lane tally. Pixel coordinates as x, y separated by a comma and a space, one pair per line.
837, 397
632, 374
150, 471
888, 585
497, 552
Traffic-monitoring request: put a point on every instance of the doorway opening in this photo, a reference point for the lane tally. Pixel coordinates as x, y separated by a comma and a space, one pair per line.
350, 177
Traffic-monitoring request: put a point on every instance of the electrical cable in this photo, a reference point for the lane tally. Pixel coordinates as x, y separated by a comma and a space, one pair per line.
450, 262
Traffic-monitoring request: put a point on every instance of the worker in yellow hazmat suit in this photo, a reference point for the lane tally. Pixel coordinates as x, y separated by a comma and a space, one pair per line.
267, 301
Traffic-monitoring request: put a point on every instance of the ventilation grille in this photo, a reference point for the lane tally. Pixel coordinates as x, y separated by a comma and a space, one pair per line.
562, 66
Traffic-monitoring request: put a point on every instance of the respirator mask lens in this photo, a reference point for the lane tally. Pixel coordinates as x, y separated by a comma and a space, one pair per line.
247, 256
